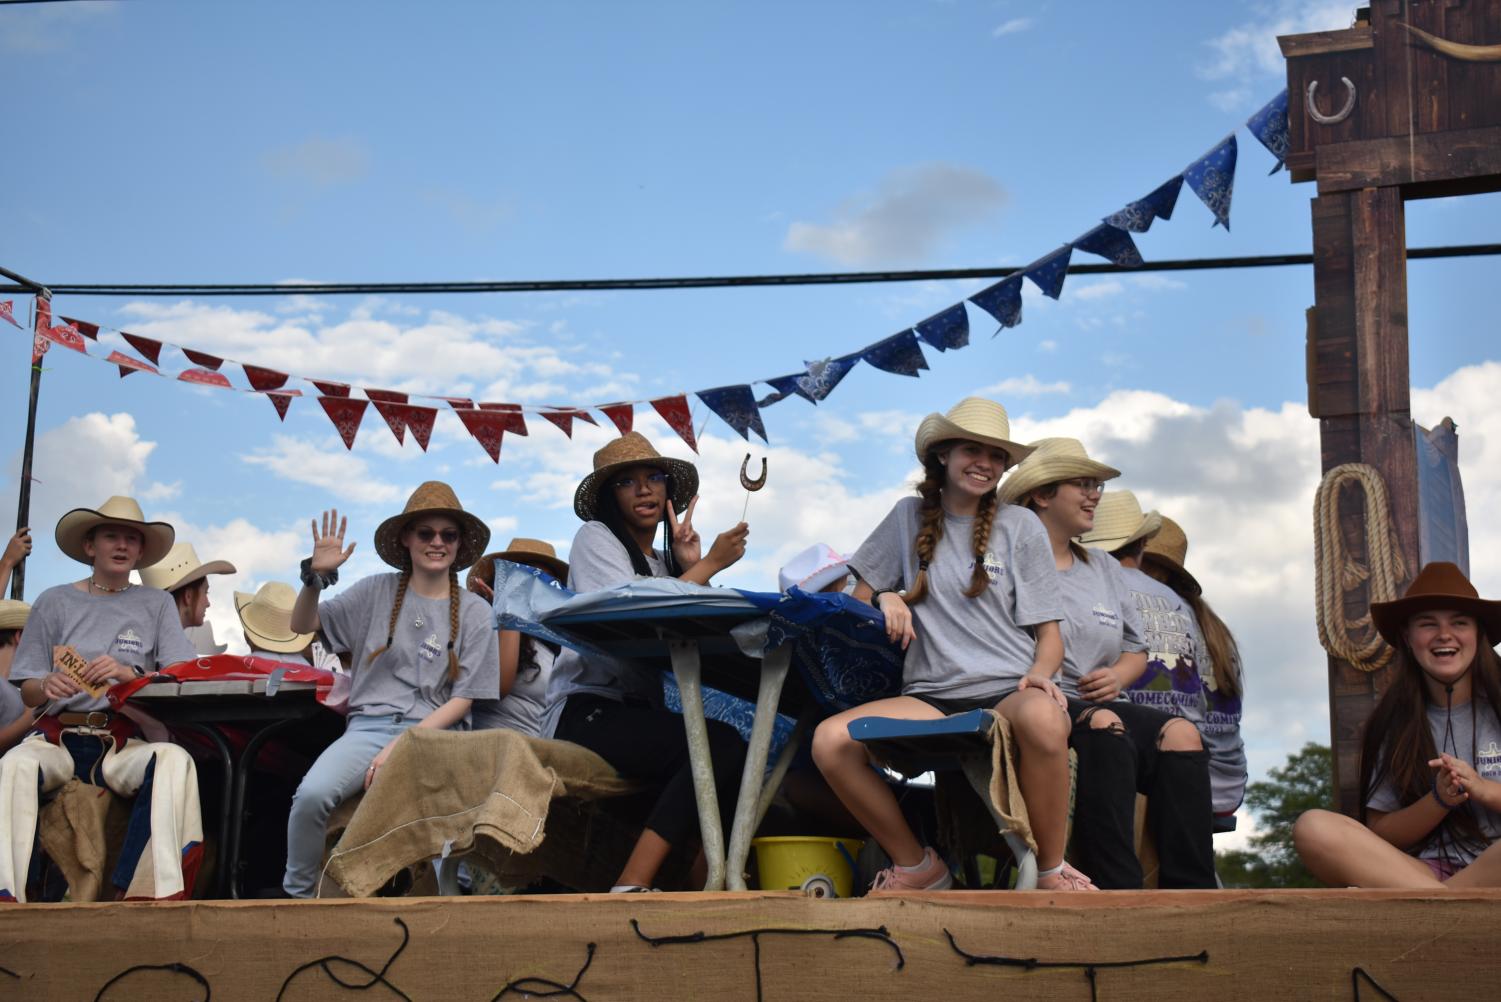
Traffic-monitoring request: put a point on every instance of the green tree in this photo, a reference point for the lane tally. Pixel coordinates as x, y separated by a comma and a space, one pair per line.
1304, 782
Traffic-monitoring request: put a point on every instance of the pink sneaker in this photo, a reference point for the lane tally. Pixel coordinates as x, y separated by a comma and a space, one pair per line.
930, 875
1067, 879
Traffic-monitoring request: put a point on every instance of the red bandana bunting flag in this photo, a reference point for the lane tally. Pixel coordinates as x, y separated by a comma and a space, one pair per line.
6, 312
329, 389
346, 415
389, 396
679, 418
624, 415
88, 330
419, 421
67, 335
392, 413
128, 365
265, 379
563, 418
204, 377
203, 358
488, 428
517, 423
146, 346
39, 342
459, 403
281, 400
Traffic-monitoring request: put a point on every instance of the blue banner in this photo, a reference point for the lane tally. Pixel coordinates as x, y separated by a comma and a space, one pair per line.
1112, 244
736, 407
823, 375
1212, 178
1003, 300
899, 353
1048, 273
1138, 216
1269, 126
949, 329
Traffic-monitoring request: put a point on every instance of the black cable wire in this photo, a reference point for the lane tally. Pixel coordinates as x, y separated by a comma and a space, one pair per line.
703, 282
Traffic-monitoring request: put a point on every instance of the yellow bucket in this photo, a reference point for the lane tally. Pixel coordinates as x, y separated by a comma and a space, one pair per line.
819, 867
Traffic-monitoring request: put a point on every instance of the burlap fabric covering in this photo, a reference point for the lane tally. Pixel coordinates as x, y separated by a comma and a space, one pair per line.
966, 824
81, 830
485, 794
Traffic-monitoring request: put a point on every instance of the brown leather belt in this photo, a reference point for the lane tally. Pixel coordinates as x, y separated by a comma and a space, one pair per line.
93, 718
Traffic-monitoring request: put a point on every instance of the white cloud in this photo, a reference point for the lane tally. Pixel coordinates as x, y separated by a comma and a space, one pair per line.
342, 474
905, 219
319, 161
477, 215
82, 462
1013, 26
1047, 345
1097, 289
1022, 386
1246, 54
158, 491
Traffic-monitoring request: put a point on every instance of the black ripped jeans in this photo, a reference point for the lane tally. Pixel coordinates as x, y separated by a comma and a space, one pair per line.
1114, 766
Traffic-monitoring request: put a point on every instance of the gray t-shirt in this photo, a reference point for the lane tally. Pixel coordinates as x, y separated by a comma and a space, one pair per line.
138, 627
967, 647
410, 678
596, 561
11, 704
1099, 618
1480, 745
521, 708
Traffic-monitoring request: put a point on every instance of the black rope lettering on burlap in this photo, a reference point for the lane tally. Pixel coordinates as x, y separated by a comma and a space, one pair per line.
376, 977
182, 969
1356, 973
1090, 968
530, 987
7, 970
879, 934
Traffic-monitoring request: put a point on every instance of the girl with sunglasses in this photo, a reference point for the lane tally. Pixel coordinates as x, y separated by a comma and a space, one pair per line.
1123, 748
967, 588
422, 650
614, 707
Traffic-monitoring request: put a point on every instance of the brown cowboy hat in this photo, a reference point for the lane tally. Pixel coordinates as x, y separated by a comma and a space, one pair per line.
181, 566
633, 449
432, 498
1439, 585
73, 527
1168, 549
533, 552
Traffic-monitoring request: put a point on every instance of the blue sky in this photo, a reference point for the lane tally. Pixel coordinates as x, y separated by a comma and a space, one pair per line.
281, 142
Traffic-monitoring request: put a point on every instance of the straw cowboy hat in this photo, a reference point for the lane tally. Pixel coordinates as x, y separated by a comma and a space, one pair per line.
266, 618
812, 569
1439, 585
1168, 549
432, 498
76, 524
1118, 522
13, 614
632, 449
533, 552
181, 566
973, 419
1053, 460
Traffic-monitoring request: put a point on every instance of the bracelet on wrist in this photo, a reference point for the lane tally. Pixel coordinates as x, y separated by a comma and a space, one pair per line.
317, 580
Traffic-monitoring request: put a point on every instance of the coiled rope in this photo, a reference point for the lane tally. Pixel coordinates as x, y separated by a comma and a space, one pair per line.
1355, 641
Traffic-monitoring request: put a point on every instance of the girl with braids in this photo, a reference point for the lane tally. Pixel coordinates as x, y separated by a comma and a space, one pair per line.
614, 707
1430, 758
1125, 749
422, 651
979, 621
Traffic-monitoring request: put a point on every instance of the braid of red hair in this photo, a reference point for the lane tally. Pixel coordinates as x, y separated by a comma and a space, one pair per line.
453, 624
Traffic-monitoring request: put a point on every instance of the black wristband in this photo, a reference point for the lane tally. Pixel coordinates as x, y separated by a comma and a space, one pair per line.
314, 580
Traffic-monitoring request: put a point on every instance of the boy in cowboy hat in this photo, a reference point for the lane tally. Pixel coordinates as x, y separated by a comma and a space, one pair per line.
182, 575
525, 662
15, 715
124, 632
266, 618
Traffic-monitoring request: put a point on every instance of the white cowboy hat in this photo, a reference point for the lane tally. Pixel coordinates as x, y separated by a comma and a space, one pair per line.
432, 498
13, 614
973, 419
266, 618
181, 566
76, 524
1052, 460
1118, 522
813, 568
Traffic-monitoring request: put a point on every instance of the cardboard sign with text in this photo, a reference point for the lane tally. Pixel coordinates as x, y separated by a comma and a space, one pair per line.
72, 664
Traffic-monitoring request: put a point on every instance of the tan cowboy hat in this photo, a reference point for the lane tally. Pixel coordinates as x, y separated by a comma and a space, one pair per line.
76, 524
1052, 460
266, 618
973, 419
1118, 522
181, 566
13, 614
432, 498
1439, 585
533, 552
633, 449
1168, 549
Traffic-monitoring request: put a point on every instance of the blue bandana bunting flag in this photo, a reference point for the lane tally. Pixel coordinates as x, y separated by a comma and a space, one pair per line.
1212, 178
1003, 300
949, 329
823, 375
1112, 244
1047, 273
785, 387
1138, 216
736, 407
1269, 126
900, 353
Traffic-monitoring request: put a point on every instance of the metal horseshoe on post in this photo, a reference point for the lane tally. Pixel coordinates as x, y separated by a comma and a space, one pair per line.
749, 484
1338, 116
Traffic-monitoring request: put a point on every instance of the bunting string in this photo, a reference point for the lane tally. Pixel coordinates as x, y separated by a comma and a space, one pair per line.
1211, 177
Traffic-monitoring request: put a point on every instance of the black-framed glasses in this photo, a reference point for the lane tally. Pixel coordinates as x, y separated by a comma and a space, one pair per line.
426, 533
657, 479
1088, 485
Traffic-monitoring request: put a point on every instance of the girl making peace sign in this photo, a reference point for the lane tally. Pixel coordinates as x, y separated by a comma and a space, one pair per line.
423, 650
614, 707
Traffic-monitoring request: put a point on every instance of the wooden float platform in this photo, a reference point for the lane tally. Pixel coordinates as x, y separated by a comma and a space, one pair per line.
955, 945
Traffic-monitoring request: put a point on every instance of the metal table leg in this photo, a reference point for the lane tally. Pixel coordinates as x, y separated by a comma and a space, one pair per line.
222, 878
773, 673
783, 763
688, 672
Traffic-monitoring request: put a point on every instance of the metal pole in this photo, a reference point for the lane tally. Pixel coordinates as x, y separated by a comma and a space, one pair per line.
23, 506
